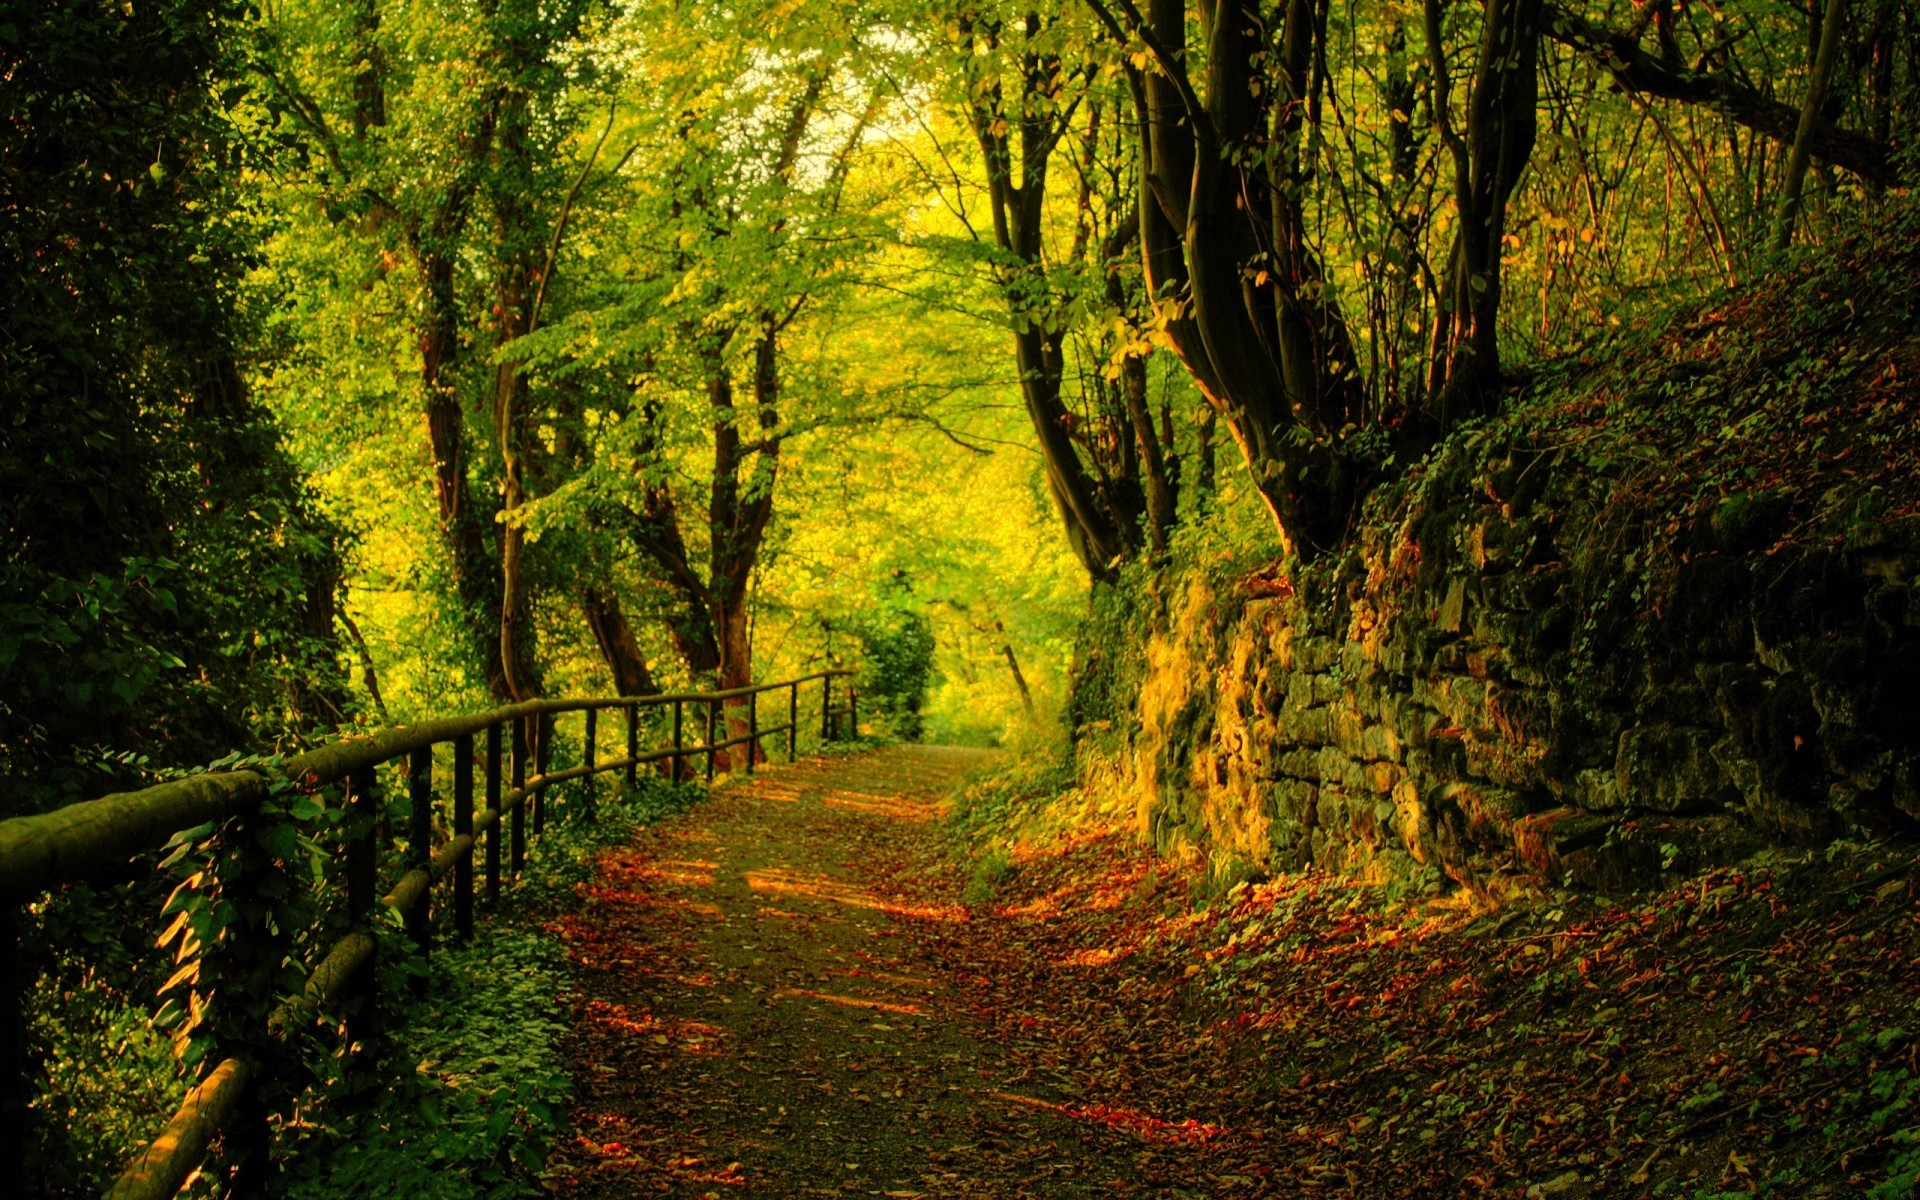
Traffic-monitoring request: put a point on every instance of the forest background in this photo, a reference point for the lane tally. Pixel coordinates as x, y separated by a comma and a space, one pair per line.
379, 359
365, 361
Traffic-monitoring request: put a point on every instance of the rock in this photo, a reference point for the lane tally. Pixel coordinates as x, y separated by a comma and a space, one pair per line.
1670, 769
1381, 744
1453, 609
1311, 727
1349, 732
1596, 790
1543, 840
1561, 1187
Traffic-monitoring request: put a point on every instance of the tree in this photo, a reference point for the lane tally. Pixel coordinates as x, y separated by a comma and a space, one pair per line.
1239, 291
443, 157
734, 233
167, 587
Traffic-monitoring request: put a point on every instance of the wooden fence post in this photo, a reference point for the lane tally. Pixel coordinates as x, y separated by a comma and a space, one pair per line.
793, 721
463, 827
633, 744
517, 852
420, 841
678, 762
13, 1056
590, 761
753, 729
493, 805
542, 755
710, 749
363, 877
362, 870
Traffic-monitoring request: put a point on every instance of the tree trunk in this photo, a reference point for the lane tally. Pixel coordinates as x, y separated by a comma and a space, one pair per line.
1816, 98
464, 521
740, 510
368, 675
369, 79
1016, 196
1227, 259
1488, 160
618, 647
517, 245
1149, 461
1203, 478
1013, 665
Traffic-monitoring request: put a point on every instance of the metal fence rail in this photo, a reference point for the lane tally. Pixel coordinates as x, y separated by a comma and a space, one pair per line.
75, 842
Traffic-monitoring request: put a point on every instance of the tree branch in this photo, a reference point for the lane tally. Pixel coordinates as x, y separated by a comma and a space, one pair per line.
1637, 71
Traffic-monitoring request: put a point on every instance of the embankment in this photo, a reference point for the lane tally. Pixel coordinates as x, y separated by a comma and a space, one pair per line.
1662, 612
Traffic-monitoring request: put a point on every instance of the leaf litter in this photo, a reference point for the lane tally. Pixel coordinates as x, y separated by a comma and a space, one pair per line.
783, 994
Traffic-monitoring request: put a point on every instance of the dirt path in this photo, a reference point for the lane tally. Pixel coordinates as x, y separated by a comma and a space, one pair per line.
766, 1006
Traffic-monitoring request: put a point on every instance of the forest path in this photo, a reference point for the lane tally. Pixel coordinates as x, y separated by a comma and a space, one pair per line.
769, 1004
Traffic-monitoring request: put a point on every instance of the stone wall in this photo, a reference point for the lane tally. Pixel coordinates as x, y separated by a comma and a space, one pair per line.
1505, 682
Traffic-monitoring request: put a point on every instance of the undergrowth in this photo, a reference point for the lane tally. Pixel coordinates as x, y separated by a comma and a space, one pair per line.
482, 1083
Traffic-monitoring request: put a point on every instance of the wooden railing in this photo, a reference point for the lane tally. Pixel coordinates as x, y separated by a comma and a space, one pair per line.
76, 842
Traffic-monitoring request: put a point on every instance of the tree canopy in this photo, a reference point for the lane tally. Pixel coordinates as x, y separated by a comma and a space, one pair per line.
371, 358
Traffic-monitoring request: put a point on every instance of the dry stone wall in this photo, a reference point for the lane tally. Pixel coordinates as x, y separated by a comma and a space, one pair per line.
1503, 683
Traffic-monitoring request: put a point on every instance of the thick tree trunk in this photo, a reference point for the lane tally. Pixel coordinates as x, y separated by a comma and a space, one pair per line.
618, 647
1227, 259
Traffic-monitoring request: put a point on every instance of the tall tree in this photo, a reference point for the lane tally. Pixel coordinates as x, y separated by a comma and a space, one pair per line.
1023, 81
1241, 292
442, 146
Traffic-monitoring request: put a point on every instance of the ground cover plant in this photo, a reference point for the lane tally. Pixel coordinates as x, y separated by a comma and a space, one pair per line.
476, 1047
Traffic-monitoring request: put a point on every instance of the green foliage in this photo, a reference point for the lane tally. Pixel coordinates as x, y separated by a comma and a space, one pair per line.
481, 1085
990, 870
1109, 662
896, 667
107, 1077
475, 1037
164, 583
987, 806
243, 919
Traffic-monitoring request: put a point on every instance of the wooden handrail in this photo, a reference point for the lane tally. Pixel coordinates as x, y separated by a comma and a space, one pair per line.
70, 843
